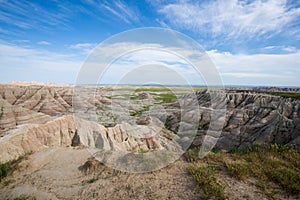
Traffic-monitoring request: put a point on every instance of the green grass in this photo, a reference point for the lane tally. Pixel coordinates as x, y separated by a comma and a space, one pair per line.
294, 95
204, 126
288, 179
6, 168
165, 97
152, 89
25, 197
139, 112
238, 169
92, 180
204, 176
7, 182
141, 150
272, 166
161, 98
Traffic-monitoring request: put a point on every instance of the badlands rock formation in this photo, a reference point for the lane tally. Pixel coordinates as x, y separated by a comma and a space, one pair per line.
36, 117
250, 118
31, 104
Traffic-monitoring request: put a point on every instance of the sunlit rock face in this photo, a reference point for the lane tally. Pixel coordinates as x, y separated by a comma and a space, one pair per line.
250, 118
66, 131
36, 117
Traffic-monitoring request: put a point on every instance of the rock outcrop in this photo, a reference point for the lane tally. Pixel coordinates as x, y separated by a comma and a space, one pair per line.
32, 105
144, 95
14, 115
67, 130
48, 100
250, 118
36, 117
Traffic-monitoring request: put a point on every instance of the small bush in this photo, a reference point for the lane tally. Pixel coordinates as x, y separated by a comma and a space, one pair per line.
4, 168
141, 150
139, 112
7, 182
92, 180
192, 155
209, 186
271, 165
25, 197
237, 169
287, 178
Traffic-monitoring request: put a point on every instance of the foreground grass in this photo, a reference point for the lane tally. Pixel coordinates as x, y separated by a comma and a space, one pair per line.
25, 197
271, 166
209, 186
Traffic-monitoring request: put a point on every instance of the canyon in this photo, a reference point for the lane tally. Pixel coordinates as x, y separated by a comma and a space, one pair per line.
132, 129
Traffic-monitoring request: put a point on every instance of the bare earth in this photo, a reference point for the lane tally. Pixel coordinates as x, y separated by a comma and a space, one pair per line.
55, 174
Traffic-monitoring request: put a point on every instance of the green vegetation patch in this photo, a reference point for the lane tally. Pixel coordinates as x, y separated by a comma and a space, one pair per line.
287, 178
238, 169
272, 166
25, 197
6, 168
165, 97
92, 180
139, 112
152, 89
162, 94
294, 95
209, 186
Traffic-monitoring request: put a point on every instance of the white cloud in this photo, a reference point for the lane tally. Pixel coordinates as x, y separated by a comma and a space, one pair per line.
28, 64
84, 48
117, 8
151, 65
270, 47
22, 41
82, 45
119, 58
232, 18
43, 43
27, 15
258, 69
127, 14
281, 48
289, 49
237, 69
251, 75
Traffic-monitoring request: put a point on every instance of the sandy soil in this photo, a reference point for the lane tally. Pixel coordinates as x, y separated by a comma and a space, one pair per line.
55, 174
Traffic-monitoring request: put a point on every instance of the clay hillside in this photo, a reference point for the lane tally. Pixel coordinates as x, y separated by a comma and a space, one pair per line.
145, 142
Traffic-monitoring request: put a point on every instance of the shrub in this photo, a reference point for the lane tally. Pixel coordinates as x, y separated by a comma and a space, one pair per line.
288, 179
25, 197
4, 168
92, 180
209, 186
237, 169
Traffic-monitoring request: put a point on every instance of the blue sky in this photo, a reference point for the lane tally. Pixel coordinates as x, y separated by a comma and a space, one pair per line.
250, 42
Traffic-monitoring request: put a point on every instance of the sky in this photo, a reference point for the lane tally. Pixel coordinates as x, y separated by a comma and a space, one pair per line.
249, 42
